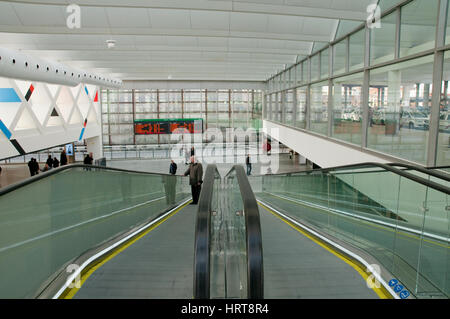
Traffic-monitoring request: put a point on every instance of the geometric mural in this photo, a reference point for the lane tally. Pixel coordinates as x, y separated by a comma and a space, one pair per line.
36, 115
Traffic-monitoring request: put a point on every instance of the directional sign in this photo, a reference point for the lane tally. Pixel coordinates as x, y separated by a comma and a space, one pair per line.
398, 288
404, 294
393, 282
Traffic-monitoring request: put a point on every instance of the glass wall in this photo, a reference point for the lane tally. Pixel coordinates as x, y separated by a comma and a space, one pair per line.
218, 109
300, 120
418, 26
340, 57
347, 115
443, 149
382, 40
399, 109
404, 55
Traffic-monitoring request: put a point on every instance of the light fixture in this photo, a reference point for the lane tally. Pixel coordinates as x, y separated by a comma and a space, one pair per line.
111, 43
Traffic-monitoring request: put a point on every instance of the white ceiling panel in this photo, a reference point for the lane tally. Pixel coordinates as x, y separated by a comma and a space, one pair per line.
191, 39
7, 15
128, 18
208, 20
169, 19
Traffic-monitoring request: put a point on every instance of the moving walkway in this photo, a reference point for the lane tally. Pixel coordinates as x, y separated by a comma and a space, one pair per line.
357, 231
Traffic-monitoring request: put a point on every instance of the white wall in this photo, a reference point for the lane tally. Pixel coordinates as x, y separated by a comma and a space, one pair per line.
323, 152
32, 124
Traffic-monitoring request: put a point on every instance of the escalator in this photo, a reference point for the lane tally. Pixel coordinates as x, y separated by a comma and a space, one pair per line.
89, 232
388, 222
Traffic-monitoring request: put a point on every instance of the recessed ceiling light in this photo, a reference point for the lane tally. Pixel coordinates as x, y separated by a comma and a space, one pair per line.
111, 43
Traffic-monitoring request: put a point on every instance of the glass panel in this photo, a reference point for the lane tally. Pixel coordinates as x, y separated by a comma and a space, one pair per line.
299, 74
340, 57
347, 95
399, 116
357, 50
418, 27
319, 108
325, 58
315, 67
443, 150
382, 41
403, 224
300, 120
289, 107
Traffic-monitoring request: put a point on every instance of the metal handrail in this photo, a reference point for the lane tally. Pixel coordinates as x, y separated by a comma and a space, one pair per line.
255, 272
386, 167
54, 171
202, 244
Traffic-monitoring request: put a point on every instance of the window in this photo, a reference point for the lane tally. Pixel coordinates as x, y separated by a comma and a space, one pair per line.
319, 108
399, 99
347, 112
418, 27
382, 41
357, 49
339, 57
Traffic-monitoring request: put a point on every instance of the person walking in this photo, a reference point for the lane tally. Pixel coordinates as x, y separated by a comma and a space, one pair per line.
35, 166
173, 168
49, 162
88, 160
63, 158
55, 163
195, 172
249, 165
31, 167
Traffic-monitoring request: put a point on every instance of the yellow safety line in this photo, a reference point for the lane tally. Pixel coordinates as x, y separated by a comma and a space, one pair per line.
381, 292
369, 224
90, 269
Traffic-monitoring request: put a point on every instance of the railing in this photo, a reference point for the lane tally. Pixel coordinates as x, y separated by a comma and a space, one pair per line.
50, 220
228, 247
398, 214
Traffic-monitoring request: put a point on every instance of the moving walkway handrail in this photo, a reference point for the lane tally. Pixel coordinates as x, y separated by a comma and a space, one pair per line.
53, 171
202, 245
255, 275
386, 167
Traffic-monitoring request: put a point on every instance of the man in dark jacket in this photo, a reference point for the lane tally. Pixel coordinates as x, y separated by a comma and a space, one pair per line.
173, 168
49, 162
63, 158
195, 172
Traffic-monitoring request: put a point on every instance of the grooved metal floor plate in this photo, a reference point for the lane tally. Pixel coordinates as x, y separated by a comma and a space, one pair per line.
295, 267
159, 265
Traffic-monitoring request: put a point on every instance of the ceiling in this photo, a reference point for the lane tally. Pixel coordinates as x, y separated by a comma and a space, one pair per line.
239, 40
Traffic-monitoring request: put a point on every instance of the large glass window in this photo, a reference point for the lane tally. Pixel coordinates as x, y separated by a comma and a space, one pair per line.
289, 104
339, 57
319, 108
300, 120
325, 58
382, 40
399, 114
298, 69
347, 113
357, 49
418, 27
315, 67
443, 149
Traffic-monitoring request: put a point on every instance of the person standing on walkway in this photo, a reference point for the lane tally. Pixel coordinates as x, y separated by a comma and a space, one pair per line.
173, 168
31, 167
63, 158
49, 162
55, 163
249, 165
195, 172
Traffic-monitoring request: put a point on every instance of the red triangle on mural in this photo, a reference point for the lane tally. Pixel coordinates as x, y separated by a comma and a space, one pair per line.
96, 97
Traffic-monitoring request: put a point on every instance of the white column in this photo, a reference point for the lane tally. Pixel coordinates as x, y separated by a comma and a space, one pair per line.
95, 145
